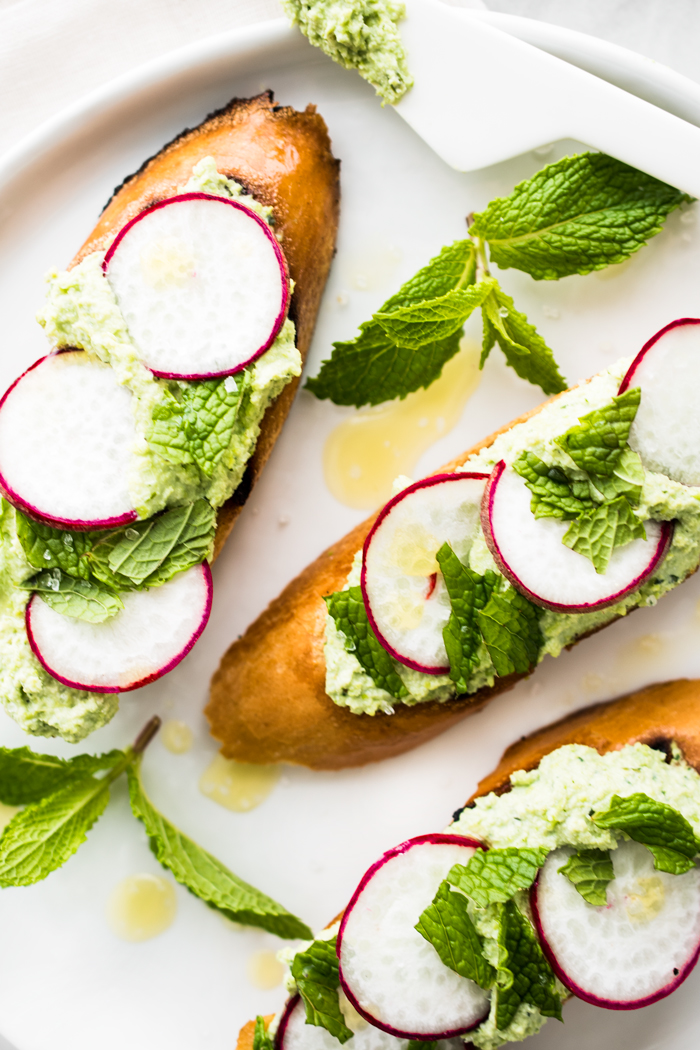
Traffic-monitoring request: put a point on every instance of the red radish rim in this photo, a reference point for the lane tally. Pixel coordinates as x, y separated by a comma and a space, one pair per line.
75, 525
627, 381
580, 993
434, 479
418, 840
142, 681
284, 270
284, 1020
665, 537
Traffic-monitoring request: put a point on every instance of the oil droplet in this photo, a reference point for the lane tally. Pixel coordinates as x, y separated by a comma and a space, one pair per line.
648, 901
366, 452
264, 970
176, 736
141, 907
6, 815
238, 785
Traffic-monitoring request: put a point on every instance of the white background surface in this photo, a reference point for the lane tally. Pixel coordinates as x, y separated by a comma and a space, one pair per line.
65, 981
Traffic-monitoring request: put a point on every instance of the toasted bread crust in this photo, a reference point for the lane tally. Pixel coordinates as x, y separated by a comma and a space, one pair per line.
657, 715
268, 700
283, 157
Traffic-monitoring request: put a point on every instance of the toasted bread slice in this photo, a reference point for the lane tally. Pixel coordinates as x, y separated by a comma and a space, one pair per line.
656, 716
284, 714
284, 159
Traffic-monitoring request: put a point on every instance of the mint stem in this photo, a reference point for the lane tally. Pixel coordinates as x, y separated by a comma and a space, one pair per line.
146, 735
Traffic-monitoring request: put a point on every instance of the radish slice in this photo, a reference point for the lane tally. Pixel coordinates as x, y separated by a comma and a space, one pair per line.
666, 429
295, 1034
392, 976
154, 631
66, 435
202, 284
636, 949
530, 553
405, 596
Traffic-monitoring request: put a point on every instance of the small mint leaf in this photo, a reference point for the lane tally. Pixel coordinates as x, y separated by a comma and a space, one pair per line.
590, 871
659, 827
48, 548
553, 494
598, 440
262, 1040
315, 971
529, 977
510, 627
348, 610
525, 350
446, 925
420, 323
27, 776
468, 593
151, 552
597, 533
80, 599
493, 876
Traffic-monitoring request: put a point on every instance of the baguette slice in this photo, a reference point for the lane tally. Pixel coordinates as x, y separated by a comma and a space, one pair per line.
283, 158
656, 716
268, 700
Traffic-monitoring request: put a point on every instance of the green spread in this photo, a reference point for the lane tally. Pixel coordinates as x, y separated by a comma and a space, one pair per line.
82, 311
361, 35
348, 684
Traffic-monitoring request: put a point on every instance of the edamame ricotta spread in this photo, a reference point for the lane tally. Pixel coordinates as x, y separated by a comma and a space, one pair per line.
81, 310
350, 686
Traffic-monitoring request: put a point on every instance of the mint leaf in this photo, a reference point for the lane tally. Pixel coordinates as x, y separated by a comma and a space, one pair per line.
468, 592
48, 548
204, 875
375, 366
414, 326
315, 971
661, 828
27, 776
525, 350
372, 368
627, 479
348, 610
493, 876
590, 871
510, 628
526, 976
194, 425
577, 215
81, 599
446, 925
262, 1040
153, 551
598, 533
45, 834
554, 495
598, 440
421, 1044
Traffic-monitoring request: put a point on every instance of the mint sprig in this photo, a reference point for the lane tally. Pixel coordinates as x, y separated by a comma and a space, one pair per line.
447, 926
590, 871
583, 213
194, 423
493, 876
64, 799
580, 214
661, 828
316, 973
524, 975
348, 610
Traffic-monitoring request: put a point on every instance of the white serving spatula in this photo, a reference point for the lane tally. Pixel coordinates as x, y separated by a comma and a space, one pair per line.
481, 96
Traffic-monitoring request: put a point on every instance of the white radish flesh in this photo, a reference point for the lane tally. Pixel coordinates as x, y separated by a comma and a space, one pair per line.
666, 429
295, 1034
151, 635
389, 972
202, 284
530, 552
405, 595
633, 951
66, 437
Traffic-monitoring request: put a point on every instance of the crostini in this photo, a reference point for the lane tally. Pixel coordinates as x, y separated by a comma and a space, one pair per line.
179, 332
550, 529
572, 871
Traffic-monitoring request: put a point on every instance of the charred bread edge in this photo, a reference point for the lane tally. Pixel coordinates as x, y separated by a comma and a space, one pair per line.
310, 133
656, 716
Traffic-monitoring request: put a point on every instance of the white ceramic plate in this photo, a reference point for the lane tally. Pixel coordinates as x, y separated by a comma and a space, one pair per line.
65, 980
